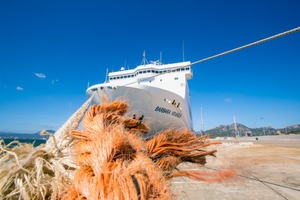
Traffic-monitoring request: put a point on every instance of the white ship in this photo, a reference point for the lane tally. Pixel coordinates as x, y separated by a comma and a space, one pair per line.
157, 93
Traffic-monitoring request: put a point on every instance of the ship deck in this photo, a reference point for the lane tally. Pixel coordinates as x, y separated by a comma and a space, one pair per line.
267, 168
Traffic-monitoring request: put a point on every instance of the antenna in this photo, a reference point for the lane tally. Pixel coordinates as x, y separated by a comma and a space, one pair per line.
106, 75
183, 50
125, 65
160, 57
144, 61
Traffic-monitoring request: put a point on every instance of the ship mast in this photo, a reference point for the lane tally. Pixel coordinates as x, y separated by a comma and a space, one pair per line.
183, 51
144, 61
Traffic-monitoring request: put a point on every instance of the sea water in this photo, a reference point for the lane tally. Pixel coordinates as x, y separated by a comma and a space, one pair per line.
35, 142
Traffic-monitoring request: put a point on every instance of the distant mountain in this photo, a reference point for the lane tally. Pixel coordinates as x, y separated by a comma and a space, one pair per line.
220, 131
229, 130
25, 135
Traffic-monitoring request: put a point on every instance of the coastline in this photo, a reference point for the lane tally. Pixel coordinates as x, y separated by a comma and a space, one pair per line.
35, 142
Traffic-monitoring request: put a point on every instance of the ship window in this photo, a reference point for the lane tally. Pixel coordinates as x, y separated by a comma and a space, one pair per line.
182, 69
125, 76
156, 72
140, 72
173, 70
148, 71
144, 72
121, 77
117, 77
152, 71
165, 71
187, 68
178, 70
176, 78
160, 72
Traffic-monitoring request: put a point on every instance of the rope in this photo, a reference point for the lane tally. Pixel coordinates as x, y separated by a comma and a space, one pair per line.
265, 183
224, 53
248, 45
221, 54
60, 139
261, 181
283, 186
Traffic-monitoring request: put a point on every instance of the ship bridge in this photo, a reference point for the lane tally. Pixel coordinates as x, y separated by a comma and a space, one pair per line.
148, 72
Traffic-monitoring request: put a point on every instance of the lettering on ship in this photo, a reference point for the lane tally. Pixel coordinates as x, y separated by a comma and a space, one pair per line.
167, 111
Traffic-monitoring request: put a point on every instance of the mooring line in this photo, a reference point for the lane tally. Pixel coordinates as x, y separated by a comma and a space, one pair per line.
220, 54
259, 180
275, 184
224, 53
249, 45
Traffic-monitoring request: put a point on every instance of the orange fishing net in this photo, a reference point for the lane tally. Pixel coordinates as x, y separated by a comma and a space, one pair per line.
115, 162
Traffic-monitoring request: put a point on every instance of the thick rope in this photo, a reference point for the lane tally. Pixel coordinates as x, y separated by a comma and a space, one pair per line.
248, 45
224, 53
61, 137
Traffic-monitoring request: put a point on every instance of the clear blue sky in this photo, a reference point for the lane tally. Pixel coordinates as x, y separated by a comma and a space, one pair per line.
50, 50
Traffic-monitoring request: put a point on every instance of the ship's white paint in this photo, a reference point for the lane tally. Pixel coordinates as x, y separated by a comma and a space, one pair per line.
159, 92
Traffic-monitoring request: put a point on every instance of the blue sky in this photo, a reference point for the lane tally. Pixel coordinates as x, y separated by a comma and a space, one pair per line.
50, 50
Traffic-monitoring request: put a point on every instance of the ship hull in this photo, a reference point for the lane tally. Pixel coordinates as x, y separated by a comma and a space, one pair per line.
161, 109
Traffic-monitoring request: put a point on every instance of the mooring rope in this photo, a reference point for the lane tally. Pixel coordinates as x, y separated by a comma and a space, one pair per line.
224, 53
59, 140
248, 45
254, 178
220, 54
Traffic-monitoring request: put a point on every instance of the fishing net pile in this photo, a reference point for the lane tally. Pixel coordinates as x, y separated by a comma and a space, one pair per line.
108, 159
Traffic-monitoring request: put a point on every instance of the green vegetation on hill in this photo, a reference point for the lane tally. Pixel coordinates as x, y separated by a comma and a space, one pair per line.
229, 131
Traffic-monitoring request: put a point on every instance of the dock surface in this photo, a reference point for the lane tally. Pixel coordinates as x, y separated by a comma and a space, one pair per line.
267, 167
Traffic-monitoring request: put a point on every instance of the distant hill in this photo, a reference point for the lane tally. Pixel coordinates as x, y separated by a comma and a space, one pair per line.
220, 131
25, 135
229, 131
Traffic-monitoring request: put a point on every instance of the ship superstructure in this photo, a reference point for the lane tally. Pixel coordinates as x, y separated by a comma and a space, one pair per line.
158, 93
